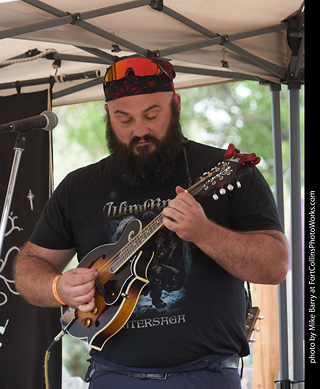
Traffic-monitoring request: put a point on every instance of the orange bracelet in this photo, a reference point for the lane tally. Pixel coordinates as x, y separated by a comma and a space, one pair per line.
54, 289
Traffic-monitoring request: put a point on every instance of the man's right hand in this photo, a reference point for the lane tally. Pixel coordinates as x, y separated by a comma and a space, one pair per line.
76, 288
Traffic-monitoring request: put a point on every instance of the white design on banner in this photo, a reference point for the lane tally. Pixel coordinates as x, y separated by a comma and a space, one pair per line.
30, 197
9, 283
3, 328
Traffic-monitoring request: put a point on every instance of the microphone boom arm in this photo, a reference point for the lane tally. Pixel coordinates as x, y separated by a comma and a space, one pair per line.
47, 120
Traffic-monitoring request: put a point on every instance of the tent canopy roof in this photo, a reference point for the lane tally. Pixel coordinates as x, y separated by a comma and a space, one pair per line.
208, 42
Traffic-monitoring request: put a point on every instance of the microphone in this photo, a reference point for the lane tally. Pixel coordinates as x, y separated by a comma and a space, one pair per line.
47, 120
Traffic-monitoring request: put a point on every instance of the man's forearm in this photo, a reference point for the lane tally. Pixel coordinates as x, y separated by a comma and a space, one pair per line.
33, 280
34, 271
37, 267
258, 257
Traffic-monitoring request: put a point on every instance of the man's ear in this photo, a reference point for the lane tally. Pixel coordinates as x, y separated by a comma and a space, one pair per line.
106, 107
177, 99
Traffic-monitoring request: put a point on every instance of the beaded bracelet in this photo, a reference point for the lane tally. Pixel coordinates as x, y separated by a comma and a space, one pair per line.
54, 289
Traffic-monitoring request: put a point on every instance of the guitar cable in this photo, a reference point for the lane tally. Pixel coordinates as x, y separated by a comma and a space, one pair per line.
47, 357
66, 320
46, 373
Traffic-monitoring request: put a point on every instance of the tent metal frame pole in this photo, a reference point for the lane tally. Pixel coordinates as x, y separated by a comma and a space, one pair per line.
296, 232
204, 31
214, 38
78, 20
191, 46
67, 19
188, 22
78, 88
109, 59
45, 7
92, 13
282, 288
95, 74
262, 63
77, 58
217, 73
226, 41
112, 38
52, 79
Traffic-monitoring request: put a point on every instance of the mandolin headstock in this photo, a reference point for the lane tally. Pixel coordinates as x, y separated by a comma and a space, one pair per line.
223, 176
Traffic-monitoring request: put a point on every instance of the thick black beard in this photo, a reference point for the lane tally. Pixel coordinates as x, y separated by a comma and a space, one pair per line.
148, 169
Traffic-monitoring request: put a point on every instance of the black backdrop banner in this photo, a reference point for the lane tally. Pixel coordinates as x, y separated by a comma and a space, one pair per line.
26, 331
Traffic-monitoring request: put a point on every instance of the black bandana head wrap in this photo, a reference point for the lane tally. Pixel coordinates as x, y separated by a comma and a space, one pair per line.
136, 85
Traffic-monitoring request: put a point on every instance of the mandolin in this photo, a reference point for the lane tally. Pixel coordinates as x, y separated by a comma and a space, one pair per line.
122, 266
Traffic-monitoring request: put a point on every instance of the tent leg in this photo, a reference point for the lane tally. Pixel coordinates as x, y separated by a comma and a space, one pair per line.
278, 173
296, 232
283, 384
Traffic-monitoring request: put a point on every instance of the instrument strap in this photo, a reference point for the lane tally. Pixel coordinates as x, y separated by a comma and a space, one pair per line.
184, 148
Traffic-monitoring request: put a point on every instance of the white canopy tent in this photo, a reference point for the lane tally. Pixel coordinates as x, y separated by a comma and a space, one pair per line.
68, 44
207, 41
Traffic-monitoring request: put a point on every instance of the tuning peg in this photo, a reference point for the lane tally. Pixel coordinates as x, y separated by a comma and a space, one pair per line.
215, 196
222, 191
252, 340
238, 184
256, 329
230, 187
260, 317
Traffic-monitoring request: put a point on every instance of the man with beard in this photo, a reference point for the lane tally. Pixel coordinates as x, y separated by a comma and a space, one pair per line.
195, 337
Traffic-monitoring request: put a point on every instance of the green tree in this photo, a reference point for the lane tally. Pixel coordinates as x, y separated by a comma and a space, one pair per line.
85, 125
238, 113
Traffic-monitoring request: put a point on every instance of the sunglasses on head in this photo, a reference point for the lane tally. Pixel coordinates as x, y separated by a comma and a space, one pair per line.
140, 67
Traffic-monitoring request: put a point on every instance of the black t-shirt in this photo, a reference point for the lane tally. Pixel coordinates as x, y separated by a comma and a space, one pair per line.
191, 306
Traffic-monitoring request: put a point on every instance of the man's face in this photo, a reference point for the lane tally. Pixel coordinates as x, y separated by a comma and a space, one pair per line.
137, 120
145, 137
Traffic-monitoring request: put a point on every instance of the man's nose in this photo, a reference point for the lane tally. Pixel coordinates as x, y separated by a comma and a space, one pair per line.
140, 129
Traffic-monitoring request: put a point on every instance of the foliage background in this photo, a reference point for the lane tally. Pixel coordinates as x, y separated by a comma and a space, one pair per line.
238, 113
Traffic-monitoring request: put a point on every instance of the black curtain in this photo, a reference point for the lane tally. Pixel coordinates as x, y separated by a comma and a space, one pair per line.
26, 331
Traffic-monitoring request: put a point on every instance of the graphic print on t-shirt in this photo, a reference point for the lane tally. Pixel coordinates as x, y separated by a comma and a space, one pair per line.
171, 264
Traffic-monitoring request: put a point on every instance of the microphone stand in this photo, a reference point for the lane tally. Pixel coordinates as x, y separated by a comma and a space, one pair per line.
18, 150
